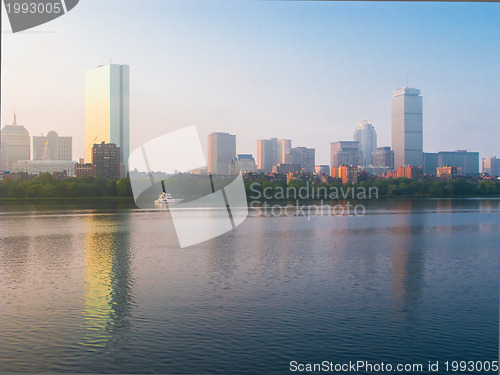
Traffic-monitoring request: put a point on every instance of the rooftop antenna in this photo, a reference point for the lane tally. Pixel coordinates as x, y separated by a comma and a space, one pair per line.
406, 80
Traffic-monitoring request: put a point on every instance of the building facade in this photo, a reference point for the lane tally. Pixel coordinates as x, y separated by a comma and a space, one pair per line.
15, 145
271, 152
491, 166
407, 127
467, 163
305, 157
37, 167
285, 168
52, 147
348, 173
107, 109
322, 170
430, 162
106, 160
221, 150
407, 171
242, 163
446, 173
383, 157
345, 153
83, 170
366, 135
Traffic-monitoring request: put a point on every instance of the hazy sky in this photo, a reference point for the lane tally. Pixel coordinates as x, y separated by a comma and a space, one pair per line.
308, 71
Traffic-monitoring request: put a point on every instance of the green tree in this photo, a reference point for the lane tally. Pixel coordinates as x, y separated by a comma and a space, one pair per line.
124, 187
111, 189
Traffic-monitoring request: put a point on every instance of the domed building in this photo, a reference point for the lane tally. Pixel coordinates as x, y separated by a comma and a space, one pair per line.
52, 147
15, 145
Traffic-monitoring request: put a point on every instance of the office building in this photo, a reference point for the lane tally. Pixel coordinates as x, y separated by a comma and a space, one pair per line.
54, 167
107, 109
52, 147
345, 153
430, 162
491, 166
366, 135
106, 160
221, 150
407, 127
243, 163
271, 152
322, 170
305, 157
467, 163
15, 145
383, 157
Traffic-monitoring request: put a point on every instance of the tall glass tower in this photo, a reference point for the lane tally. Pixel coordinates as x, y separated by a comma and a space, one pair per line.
107, 109
366, 135
407, 127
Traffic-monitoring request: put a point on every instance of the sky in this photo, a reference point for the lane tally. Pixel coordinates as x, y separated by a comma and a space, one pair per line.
305, 71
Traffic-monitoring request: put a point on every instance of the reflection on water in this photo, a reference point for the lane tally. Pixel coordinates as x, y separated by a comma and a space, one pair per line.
111, 291
108, 281
408, 262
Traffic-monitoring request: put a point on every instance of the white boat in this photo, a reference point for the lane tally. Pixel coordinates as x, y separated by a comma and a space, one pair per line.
164, 198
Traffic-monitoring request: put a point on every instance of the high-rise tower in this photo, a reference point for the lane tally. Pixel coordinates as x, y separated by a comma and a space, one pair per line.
407, 127
107, 109
221, 150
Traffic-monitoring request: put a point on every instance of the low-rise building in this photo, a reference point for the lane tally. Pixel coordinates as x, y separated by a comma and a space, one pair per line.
83, 169
37, 167
285, 168
348, 173
322, 170
446, 173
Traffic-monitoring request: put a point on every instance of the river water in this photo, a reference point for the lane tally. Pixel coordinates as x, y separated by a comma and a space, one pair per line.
110, 291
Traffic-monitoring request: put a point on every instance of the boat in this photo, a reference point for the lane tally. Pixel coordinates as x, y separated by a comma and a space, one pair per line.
165, 198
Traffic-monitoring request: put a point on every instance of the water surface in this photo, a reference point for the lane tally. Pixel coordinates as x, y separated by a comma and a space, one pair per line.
104, 290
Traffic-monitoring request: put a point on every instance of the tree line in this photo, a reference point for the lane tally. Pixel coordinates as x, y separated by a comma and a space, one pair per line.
47, 186
398, 187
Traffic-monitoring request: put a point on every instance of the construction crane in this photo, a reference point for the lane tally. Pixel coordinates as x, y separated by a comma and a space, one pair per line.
89, 146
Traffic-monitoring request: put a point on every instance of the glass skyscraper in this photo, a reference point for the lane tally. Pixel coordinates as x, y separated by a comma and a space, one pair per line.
107, 109
366, 135
407, 127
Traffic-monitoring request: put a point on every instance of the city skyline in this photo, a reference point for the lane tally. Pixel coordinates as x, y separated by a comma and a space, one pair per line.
258, 82
223, 156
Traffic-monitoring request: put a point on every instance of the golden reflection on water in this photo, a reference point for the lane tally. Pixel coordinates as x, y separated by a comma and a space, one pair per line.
107, 280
